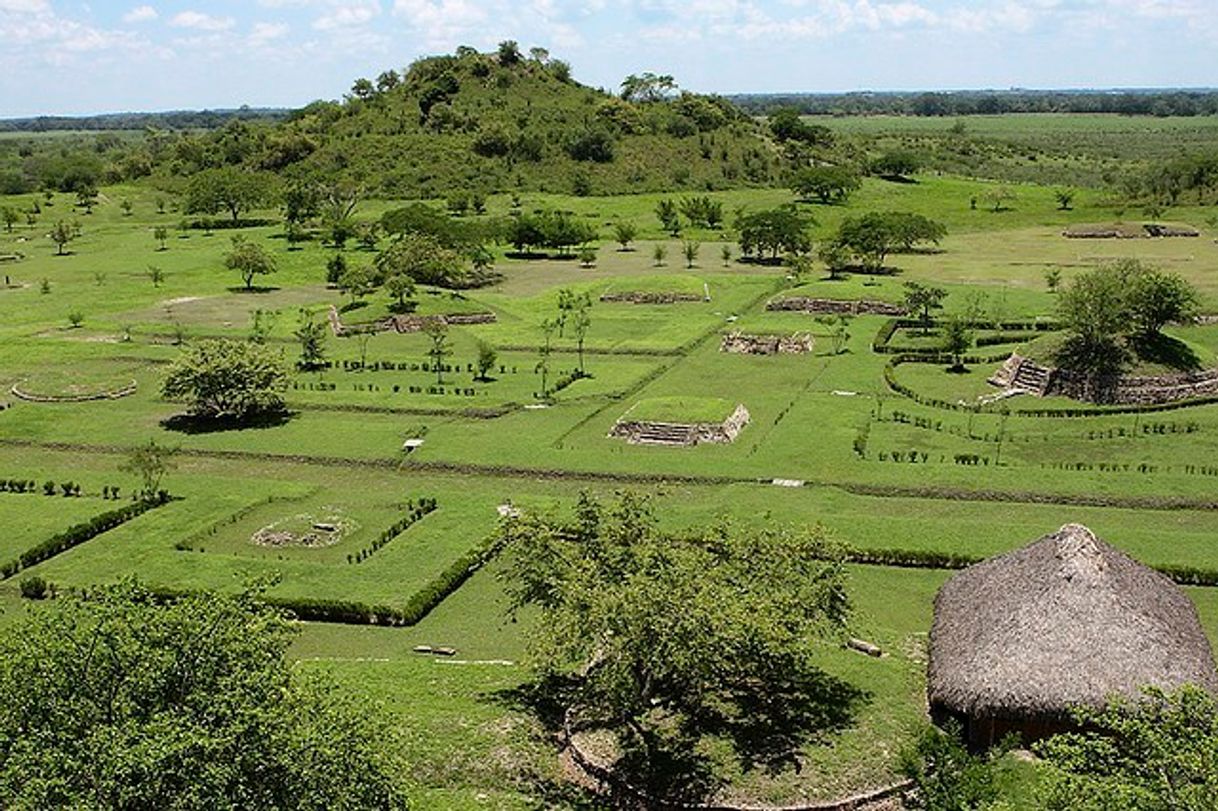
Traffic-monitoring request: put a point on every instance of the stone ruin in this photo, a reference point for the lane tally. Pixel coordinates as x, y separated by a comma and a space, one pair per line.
681, 435
828, 306
797, 343
1150, 230
643, 297
1020, 375
405, 324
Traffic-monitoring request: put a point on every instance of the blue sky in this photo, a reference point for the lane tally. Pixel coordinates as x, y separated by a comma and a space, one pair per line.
61, 56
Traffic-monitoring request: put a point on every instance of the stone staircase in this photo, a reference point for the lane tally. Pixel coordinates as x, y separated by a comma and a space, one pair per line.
664, 433
1032, 378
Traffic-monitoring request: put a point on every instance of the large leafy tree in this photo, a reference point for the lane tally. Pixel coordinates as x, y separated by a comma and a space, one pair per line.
420, 259
227, 379
124, 700
673, 640
828, 184
873, 236
1159, 754
228, 189
776, 231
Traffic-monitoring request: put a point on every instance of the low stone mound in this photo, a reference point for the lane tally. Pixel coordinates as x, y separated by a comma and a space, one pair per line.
680, 434
826, 306
84, 395
644, 297
1150, 230
405, 324
797, 343
305, 531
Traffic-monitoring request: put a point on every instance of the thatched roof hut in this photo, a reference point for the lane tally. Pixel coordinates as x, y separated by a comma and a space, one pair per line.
1020, 639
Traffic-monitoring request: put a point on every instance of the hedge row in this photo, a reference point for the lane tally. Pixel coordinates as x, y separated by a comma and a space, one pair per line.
1025, 497
79, 533
927, 559
414, 512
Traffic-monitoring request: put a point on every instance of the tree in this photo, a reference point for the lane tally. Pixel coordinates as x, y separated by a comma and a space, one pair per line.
543, 363
311, 334
587, 256
921, 299
581, 322
149, 463
775, 231
787, 126
1158, 754
957, 341
356, 282
800, 266
624, 233
127, 207
871, 237
836, 258
647, 87
1000, 198
401, 287
124, 698
155, 275
725, 252
422, 259
1157, 298
690, 249
668, 640
1065, 199
161, 235
659, 253
226, 189
86, 197
437, 330
336, 266
1053, 279
10, 216
666, 212
509, 53
487, 357
896, 165
225, 379
249, 259
1095, 311
61, 235
828, 184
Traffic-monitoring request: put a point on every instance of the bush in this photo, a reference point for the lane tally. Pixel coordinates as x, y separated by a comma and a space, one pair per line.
34, 587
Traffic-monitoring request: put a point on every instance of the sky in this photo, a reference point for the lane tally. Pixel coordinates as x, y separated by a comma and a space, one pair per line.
63, 57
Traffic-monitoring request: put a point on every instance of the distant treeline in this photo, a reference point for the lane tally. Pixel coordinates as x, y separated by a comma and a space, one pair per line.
175, 120
989, 102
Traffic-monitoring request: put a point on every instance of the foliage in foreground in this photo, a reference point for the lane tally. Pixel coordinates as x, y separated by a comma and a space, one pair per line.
698, 650
1158, 754
946, 776
121, 700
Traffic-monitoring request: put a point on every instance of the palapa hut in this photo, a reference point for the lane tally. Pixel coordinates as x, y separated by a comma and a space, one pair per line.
1020, 639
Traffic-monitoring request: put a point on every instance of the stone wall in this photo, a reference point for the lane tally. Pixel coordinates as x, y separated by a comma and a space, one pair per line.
638, 432
1142, 390
642, 297
797, 343
825, 306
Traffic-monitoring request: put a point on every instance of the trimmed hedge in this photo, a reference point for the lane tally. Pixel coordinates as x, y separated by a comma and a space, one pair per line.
926, 559
79, 533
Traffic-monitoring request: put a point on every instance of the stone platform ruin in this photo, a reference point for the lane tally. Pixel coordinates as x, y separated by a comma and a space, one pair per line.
405, 324
644, 297
797, 343
680, 434
828, 306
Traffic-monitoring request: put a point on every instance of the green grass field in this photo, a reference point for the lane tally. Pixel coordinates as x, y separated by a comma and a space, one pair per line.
881, 470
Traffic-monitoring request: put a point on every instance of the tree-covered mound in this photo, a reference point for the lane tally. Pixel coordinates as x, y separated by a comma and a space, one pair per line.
495, 122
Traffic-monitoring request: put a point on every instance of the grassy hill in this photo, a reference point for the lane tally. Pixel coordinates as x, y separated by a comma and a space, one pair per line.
490, 123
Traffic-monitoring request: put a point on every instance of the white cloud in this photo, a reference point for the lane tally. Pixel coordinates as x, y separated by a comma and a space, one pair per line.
201, 22
25, 6
263, 33
348, 15
140, 14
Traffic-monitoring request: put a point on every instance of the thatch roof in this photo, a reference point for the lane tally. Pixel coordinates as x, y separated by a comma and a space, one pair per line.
1064, 622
